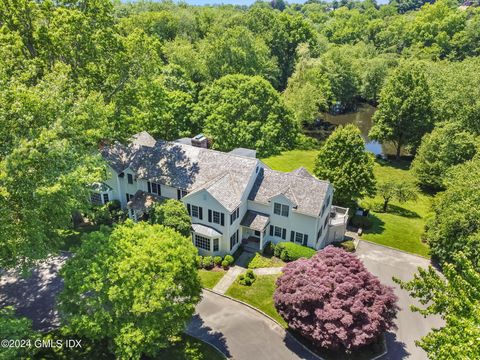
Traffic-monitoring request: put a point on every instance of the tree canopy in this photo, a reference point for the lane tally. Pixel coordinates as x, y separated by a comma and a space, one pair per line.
342, 160
455, 225
446, 146
456, 298
245, 111
404, 113
172, 213
135, 286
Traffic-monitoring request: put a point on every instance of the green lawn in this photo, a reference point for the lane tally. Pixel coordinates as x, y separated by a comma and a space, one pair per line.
259, 295
401, 227
291, 160
210, 278
262, 261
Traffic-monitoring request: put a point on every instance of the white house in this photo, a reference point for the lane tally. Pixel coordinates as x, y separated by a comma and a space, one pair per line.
230, 196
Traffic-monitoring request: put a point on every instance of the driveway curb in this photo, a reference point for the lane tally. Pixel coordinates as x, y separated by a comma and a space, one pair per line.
288, 334
392, 248
209, 344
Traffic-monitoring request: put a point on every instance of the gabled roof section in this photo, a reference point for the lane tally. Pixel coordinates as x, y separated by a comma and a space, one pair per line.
143, 139
307, 192
225, 176
301, 171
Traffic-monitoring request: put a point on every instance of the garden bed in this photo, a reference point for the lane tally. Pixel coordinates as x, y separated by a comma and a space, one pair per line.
265, 261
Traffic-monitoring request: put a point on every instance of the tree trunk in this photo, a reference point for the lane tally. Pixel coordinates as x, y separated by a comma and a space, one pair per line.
399, 146
385, 205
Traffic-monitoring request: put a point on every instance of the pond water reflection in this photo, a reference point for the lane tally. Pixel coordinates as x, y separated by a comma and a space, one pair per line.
363, 119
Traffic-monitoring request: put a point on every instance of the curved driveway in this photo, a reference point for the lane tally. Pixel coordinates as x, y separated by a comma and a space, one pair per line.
385, 263
241, 332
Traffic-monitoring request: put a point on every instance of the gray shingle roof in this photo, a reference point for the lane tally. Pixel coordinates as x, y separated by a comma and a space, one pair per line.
206, 230
244, 152
255, 220
142, 201
306, 192
183, 166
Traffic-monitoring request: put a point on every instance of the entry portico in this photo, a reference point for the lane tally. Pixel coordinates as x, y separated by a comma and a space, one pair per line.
254, 225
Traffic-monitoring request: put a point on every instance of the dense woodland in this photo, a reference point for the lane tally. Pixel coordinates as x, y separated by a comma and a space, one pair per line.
77, 73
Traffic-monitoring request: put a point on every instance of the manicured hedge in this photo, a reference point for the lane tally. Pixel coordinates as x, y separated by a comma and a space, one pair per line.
289, 251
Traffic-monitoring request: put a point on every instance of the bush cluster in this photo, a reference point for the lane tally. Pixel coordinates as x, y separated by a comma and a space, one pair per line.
346, 245
334, 301
248, 278
107, 214
269, 249
289, 251
208, 262
363, 222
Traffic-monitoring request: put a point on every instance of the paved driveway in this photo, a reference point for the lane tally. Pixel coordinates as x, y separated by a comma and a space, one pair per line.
34, 296
385, 263
242, 333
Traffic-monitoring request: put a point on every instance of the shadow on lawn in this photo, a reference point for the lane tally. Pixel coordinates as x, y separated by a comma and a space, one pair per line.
378, 225
397, 210
401, 164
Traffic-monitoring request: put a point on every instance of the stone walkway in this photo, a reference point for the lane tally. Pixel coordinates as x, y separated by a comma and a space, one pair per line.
231, 275
228, 279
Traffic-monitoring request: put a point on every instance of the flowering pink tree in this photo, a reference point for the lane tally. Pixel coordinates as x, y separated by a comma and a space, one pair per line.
334, 301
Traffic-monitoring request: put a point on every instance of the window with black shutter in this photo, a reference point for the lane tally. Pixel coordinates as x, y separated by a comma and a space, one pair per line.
105, 198
209, 215
284, 234
271, 230
222, 219
179, 196
305, 239
292, 235
200, 212
130, 178
188, 209
149, 187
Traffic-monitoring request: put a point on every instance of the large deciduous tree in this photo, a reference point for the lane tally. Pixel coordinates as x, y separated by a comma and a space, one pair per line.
404, 113
13, 328
444, 147
172, 213
238, 51
342, 160
42, 182
396, 190
245, 111
456, 298
136, 287
332, 300
455, 225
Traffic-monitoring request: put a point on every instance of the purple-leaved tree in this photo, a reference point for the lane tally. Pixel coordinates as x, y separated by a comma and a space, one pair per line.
334, 301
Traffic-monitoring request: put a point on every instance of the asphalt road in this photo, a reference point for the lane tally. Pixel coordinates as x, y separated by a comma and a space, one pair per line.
34, 296
386, 263
242, 333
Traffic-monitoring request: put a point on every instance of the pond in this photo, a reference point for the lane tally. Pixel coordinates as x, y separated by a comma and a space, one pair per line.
361, 118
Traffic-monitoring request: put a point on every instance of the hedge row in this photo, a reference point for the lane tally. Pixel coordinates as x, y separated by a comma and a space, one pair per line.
208, 262
289, 251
